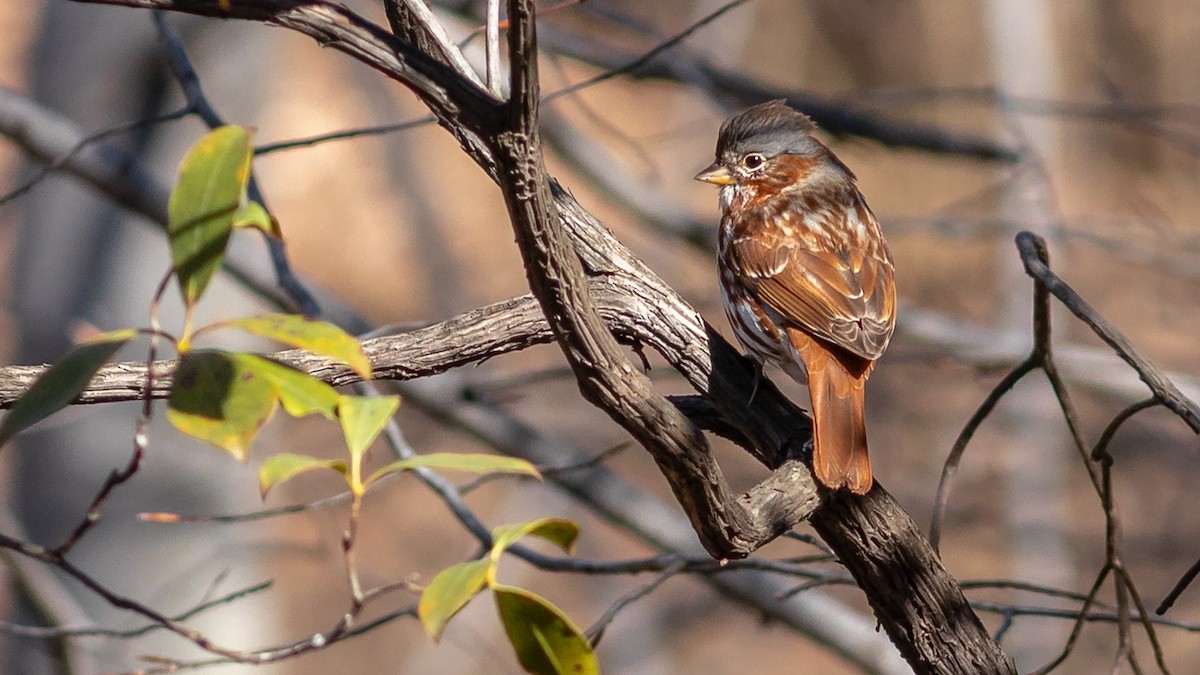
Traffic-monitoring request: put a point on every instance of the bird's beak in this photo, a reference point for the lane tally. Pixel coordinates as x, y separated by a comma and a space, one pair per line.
716, 174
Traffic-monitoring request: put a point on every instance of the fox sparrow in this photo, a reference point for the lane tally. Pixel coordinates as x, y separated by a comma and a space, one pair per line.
806, 275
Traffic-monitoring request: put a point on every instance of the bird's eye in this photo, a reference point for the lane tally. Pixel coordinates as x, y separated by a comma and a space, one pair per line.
753, 161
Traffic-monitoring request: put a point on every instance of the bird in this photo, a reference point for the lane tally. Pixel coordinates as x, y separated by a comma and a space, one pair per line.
806, 276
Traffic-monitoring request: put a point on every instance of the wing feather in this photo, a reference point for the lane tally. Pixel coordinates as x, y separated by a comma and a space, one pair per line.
841, 293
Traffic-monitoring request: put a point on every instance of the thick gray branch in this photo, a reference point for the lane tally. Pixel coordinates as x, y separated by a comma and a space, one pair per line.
606, 377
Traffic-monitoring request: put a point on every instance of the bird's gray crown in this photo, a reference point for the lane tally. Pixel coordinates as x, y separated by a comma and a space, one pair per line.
772, 128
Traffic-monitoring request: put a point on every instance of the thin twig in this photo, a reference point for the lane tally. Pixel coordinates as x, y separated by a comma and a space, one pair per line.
648, 56
48, 632
816, 582
596, 632
1091, 616
1159, 384
1080, 617
950, 467
62, 160
347, 134
1186, 580
141, 435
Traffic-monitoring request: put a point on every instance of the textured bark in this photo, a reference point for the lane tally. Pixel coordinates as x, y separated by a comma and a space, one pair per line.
915, 599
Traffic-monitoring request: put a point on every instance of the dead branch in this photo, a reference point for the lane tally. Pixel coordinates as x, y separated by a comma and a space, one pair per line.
1096, 461
1162, 387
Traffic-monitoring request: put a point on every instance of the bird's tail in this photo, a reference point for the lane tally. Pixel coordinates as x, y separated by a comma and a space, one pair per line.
836, 383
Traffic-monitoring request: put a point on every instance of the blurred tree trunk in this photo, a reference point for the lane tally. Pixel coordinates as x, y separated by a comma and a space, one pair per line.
1038, 452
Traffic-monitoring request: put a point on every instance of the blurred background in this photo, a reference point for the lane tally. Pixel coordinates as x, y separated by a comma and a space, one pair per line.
965, 123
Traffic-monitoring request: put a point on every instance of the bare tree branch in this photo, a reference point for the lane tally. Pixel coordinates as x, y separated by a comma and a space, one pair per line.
1160, 385
1097, 462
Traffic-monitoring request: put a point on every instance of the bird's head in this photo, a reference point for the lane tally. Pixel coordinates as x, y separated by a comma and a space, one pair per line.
770, 149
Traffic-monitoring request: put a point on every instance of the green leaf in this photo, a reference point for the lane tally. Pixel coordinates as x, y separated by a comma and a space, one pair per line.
254, 215
475, 463
55, 388
363, 417
225, 398
559, 531
544, 639
200, 213
221, 398
317, 337
449, 592
301, 393
285, 465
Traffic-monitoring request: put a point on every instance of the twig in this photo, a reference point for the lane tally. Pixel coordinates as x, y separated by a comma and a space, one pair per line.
649, 55
597, 120
596, 632
264, 514
736, 89
1072, 614
1159, 384
360, 132
817, 582
1078, 623
547, 471
1186, 580
141, 435
62, 160
441, 485
47, 632
954, 459
543, 11
1035, 258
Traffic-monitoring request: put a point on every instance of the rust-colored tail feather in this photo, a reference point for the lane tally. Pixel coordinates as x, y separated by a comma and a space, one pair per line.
836, 383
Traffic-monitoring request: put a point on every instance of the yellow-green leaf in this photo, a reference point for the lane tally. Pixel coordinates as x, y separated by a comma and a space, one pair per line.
363, 417
475, 463
55, 388
200, 213
559, 531
301, 393
315, 336
285, 465
449, 592
254, 215
543, 637
221, 398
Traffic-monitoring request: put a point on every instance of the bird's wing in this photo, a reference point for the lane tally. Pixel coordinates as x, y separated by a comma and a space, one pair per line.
847, 297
